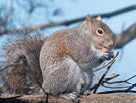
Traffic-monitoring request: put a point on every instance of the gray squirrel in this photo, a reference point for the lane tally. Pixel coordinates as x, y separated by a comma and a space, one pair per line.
62, 64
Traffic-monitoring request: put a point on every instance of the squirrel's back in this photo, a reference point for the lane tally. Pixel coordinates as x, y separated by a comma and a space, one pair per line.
22, 73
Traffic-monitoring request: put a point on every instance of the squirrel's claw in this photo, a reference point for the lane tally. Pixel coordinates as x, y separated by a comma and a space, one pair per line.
108, 55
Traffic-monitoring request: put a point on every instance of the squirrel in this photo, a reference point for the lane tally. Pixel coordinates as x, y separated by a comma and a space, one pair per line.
62, 64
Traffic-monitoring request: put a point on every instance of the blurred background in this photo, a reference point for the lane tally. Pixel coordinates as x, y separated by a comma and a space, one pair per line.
22, 14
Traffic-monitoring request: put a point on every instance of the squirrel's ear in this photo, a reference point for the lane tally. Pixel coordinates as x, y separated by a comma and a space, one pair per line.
89, 18
98, 18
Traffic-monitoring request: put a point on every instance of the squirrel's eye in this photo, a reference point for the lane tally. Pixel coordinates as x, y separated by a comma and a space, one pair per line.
99, 31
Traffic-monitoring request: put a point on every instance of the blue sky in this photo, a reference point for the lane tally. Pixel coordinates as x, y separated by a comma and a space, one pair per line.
72, 9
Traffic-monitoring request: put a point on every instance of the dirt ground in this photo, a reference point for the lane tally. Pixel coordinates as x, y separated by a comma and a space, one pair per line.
94, 98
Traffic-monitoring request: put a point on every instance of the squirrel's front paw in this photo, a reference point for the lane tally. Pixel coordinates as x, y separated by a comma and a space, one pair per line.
72, 97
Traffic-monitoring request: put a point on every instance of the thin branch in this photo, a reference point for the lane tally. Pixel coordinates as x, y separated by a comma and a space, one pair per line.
108, 64
126, 36
130, 78
124, 81
131, 87
105, 80
118, 82
110, 77
114, 87
120, 11
117, 91
69, 22
108, 68
128, 88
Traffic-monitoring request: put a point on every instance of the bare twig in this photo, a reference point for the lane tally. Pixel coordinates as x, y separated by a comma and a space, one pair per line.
131, 87
123, 81
105, 80
117, 91
110, 77
108, 68
108, 64
117, 12
118, 87
131, 78
127, 90
126, 36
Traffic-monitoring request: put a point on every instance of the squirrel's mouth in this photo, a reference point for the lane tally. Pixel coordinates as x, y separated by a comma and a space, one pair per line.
108, 53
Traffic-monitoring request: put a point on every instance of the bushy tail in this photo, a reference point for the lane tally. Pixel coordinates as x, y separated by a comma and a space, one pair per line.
21, 69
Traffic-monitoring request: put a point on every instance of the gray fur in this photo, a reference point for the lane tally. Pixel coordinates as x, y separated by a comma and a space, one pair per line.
22, 69
68, 56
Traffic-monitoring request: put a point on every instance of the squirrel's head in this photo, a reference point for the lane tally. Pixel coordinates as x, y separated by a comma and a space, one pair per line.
101, 36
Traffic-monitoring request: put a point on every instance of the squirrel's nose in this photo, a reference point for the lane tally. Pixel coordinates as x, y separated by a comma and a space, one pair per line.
110, 44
